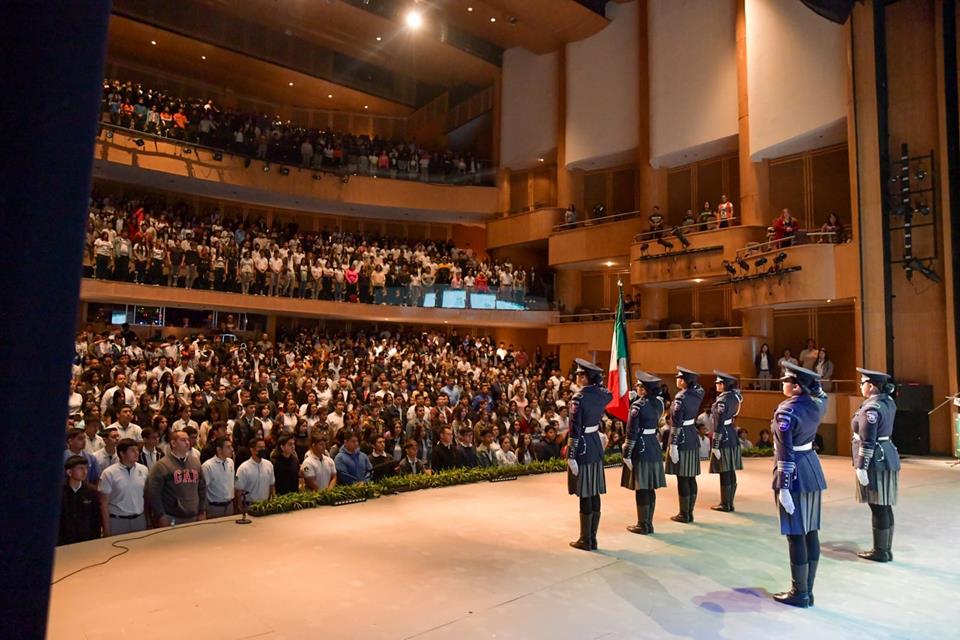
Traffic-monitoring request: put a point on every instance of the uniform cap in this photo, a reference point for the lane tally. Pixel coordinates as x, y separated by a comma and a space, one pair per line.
799, 375
878, 378
586, 367
725, 378
651, 382
687, 374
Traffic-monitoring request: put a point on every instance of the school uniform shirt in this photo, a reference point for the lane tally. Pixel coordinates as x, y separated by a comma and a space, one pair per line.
79, 514
92, 445
123, 486
105, 459
150, 458
132, 431
128, 398
219, 475
255, 478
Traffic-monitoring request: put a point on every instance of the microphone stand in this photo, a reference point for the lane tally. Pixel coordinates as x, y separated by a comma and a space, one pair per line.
243, 509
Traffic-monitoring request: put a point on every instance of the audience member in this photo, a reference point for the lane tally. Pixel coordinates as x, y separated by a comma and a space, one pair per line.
79, 504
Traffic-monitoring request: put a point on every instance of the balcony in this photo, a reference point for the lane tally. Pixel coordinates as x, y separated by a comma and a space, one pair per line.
163, 163
809, 273
702, 259
522, 228
432, 313
595, 243
733, 354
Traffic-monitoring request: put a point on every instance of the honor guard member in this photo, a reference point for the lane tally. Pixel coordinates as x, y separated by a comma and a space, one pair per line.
876, 459
642, 455
585, 478
725, 458
683, 460
798, 478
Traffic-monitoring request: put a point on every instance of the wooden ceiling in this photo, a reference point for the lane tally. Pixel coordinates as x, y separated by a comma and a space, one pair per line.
129, 44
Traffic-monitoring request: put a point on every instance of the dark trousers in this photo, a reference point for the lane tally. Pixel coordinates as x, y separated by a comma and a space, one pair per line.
121, 268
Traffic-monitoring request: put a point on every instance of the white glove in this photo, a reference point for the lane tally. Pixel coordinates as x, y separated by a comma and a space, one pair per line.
862, 477
787, 501
675, 453
574, 467
716, 453
628, 463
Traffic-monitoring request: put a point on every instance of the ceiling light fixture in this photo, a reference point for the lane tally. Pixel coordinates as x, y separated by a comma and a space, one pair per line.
203, 57
379, 38
329, 95
469, 8
290, 83
540, 159
366, 106
414, 19
609, 263
698, 280
493, 19
153, 42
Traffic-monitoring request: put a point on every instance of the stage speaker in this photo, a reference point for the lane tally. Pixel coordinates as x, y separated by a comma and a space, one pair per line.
914, 397
833, 10
911, 432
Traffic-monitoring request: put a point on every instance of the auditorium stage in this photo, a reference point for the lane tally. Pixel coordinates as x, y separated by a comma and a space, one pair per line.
492, 561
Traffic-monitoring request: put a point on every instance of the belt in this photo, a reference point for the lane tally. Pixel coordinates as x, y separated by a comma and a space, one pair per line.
883, 439
592, 429
804, 447
688, 423
649, 432
728, 422
218, 504
126, 517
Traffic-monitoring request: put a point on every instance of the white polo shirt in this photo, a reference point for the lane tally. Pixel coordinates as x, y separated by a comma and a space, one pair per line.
255, 478
132, 431
322, 469
219, 476
123, 487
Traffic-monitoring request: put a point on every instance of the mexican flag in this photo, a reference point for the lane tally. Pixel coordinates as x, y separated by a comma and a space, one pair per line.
618, 372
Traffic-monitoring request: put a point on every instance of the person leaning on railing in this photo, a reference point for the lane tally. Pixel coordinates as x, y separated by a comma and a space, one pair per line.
832, 226
785, 228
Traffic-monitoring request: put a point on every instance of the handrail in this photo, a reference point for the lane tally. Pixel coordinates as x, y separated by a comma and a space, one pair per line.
668, 230
596, 315
567, 226
479, 178
830, 385
704, 328
791, 241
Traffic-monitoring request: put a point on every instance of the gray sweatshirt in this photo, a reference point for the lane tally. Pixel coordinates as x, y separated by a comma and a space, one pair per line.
176, 488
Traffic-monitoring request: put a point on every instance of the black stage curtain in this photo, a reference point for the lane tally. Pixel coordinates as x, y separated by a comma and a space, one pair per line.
52, 65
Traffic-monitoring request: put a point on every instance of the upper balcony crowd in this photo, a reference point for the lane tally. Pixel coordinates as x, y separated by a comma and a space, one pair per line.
267, 138
149, 241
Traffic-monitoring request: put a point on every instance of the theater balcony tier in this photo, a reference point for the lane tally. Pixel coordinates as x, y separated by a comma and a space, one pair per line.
522, 228
809, 274
166, 164
652, 264
104, 291
595, 244
733, 354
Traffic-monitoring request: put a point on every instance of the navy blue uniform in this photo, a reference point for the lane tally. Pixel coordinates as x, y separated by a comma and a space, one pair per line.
797, 467
584, 444
874, 450
683, 432
643, 448
725, 440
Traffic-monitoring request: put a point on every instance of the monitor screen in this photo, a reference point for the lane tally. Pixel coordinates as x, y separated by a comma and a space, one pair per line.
483, 300
454, 299
510, 306
118, 317
429, 300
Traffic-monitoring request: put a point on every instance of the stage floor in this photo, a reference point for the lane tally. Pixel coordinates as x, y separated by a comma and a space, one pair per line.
492, 561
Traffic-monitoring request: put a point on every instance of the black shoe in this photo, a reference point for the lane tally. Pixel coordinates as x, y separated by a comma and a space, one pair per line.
650, 509
583, 542
881, 547
724, 499
732, 494
797, 596
811, 575
595, 524
684, 516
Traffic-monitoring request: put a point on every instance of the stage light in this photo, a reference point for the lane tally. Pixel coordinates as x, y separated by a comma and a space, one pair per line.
921, 175
743, 264
186, 150
109, 134
668, 246
366, 106
759, 262
540, 159
203, 57
153, 42
609, 263
284, 171
493, 19
729, 268
414, 19
345, 178
470, 9
318, 176
379, 38
779, 259
643, 248
599, 211
266, 167
678, 234
290, 84
928, 273
139, 142
218, 156
698, 280
330, 95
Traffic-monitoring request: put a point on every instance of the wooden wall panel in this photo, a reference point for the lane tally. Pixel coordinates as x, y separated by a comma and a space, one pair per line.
713, 305
830, 184
624, 191
544, 187
681, 305
519, 191
791, 328
709, 184
679, 195
836, 332
593, 294
786, 188
594, 191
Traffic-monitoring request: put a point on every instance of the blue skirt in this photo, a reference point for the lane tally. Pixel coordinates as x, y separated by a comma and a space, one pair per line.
687, 466
730, 460
589, 482
645, 475
806, 514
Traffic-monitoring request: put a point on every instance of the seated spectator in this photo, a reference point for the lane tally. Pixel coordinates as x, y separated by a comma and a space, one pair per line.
383, 463
766, 440
445, 454
834, 227
353, 465
466, 451
411, 463
486, 453
318, 469
505, 455
744, 440
548, 447
704, 438
570, 215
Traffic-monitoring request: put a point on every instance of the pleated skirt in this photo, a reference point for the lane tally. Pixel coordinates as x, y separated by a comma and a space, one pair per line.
805, 517
881, 490
687, 466
646, 474
589, 482
730, 460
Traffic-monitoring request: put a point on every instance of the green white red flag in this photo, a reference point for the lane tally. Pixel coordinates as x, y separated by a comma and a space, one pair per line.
618, 372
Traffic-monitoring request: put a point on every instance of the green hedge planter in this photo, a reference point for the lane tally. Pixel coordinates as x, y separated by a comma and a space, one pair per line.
399, 484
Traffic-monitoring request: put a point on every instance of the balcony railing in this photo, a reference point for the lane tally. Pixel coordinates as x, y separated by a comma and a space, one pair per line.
691, 229
696, 331
800, 237
567, 226
485, 176
426, 297
830, 385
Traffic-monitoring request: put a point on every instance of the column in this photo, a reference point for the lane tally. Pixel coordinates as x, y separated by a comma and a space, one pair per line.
754, 181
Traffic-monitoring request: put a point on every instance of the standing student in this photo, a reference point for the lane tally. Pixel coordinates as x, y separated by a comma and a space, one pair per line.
254, 481
79, 506
585, 477
176, 490
122, 492
218, 473
725, 452
642, 458
683, 460
798, 480
876, 459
